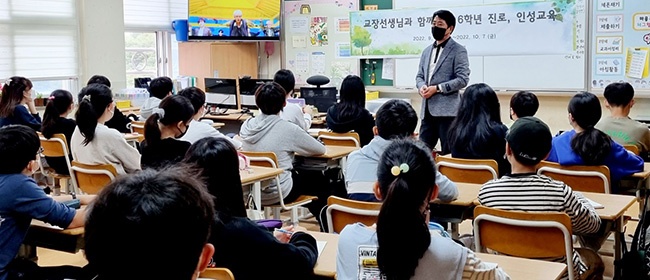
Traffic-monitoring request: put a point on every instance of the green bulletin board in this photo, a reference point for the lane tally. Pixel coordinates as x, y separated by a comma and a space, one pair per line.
366, 68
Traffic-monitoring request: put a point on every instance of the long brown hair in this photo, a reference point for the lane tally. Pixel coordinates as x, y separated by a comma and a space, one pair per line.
13, 93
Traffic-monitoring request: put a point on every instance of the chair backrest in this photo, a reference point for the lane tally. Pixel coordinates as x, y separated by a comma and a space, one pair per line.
265, 159
524, 234
92, 178
137, 128
350, 139
584, 178
57, 146
342, 212
217, 273
476, 171
632, 148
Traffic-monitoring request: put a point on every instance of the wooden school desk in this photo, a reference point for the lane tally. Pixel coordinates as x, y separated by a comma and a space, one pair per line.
517, 268
254, 176
614, 208
456, 211
44, 235
232, 120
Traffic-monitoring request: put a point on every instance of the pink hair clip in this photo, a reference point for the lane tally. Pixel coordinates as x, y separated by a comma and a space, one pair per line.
51, 97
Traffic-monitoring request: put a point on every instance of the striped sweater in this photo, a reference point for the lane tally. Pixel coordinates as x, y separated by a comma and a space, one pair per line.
537, 193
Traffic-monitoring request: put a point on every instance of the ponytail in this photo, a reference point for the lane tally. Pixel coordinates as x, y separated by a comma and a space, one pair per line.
406, 176
152, 132
95, 98
172, 109
592, 145
59, 102
397, 256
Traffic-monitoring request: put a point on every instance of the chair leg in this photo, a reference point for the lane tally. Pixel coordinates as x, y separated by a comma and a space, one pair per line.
57, 187
276, 213
267, 212
294, 216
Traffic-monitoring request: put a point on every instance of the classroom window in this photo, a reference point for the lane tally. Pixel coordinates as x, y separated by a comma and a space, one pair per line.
45, 87
141, 55
39, 40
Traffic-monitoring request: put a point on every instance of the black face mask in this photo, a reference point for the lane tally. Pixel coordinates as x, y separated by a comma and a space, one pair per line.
438, 33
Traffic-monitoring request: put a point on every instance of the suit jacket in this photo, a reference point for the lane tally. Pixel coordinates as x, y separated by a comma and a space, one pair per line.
451, 73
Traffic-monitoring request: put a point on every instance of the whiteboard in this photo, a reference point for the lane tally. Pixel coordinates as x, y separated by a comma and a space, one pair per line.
537, 72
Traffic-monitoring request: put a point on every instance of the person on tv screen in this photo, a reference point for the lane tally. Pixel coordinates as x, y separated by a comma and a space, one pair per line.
238, 27
269, 31
220, 33
202, 30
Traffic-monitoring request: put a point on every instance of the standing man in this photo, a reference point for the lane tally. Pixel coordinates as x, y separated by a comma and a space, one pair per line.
443, 71
238, 26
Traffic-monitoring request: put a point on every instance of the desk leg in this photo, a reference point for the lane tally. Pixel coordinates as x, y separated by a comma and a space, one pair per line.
257, 194
618, 252
454, 231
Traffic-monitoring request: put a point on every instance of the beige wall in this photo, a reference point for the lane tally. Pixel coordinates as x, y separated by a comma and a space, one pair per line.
552, 108
102, 41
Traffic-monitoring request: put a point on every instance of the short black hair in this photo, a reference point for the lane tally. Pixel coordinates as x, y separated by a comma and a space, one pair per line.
524, 104
619, 94
18, 146
285, 78
133, 219
396, 119
196, 97
447, 16
99, 79
160, 87
270, 98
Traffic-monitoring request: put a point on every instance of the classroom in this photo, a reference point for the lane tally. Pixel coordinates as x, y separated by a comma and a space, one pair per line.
197, 84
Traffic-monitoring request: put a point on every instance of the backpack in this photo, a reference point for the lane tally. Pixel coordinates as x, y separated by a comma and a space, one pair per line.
635, 263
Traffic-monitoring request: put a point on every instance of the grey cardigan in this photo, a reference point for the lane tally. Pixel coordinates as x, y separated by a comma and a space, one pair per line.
451, 73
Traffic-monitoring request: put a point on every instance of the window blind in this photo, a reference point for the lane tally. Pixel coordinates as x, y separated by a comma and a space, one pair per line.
39, 39
153, 14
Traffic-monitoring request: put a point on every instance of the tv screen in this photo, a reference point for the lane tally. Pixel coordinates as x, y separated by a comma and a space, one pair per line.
221, 92
247, 89
234, 20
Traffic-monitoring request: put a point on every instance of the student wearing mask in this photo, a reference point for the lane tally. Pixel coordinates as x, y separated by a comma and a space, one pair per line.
17, 105
162, 132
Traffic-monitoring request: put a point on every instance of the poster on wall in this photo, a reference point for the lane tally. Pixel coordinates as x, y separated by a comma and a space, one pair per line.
319, 39
621, 43
520, 28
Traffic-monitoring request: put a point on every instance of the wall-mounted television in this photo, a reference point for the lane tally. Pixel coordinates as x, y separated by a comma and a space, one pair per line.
234, 20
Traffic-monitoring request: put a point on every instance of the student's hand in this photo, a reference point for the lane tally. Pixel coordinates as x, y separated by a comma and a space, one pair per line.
308, 110
430, 91
283, 236
86, 199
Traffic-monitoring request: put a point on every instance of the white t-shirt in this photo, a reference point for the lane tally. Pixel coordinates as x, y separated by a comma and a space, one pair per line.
293, 114
199, 130
433, 62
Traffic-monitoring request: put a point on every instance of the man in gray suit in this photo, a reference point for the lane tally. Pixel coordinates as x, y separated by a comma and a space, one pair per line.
443, 71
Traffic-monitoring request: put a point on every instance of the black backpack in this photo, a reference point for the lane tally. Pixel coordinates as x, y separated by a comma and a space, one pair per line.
635, 263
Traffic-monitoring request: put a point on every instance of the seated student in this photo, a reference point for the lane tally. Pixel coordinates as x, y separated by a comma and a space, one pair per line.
16, 93
619, 99
159, 88
350, 114
198, 129
400, 244
21, 200
477, 132
119, 121
523, 104
292, 112
234, 236
396, 119
150, 225
162, 131
586, 145
269, 133
93, 142
528, 142
58, 107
